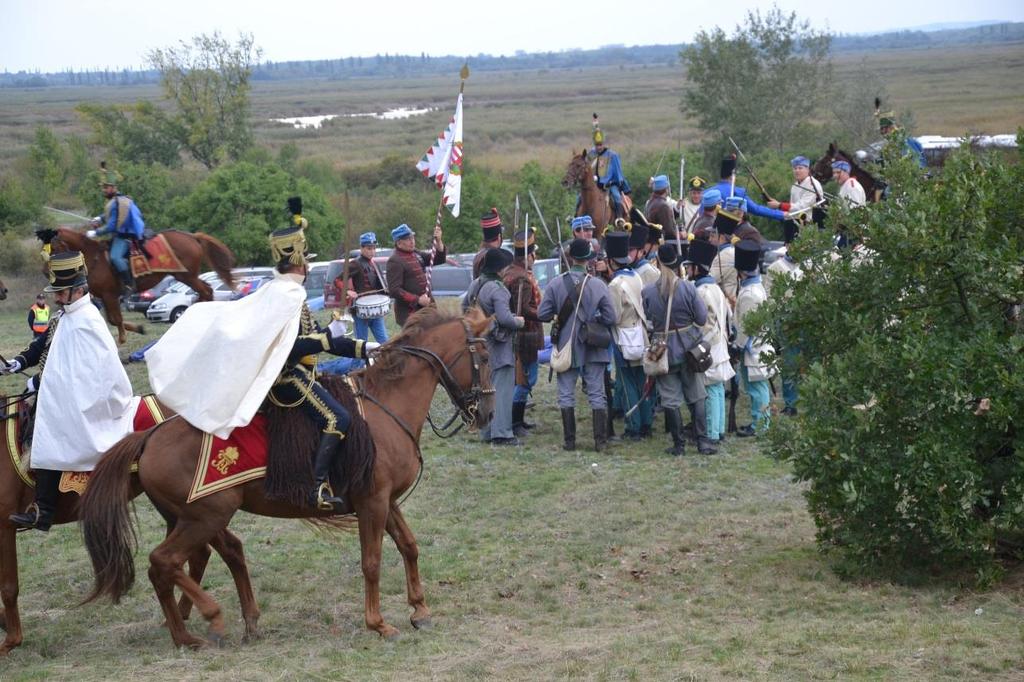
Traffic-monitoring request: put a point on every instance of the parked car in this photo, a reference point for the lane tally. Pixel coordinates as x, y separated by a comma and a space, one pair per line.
179, 296
545, 270
139, 302
450, 280
316, 279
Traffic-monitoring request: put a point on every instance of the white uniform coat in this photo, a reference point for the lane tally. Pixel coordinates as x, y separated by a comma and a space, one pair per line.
85, 402
216, 364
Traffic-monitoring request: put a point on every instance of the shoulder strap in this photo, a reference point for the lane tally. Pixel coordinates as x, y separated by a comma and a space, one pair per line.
668, 308
573, 293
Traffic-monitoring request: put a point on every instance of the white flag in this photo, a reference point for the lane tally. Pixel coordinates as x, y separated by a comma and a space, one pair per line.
443, 161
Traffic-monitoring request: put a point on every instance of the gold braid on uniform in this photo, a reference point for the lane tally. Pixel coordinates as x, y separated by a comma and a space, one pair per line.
49, 339
306, 395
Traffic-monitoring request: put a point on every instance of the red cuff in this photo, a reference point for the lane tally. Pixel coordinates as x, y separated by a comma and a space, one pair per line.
784, 205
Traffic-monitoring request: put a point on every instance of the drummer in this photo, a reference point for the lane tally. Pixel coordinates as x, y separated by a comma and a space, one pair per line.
366, 279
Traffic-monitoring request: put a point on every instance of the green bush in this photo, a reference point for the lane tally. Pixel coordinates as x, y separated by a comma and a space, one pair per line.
914, 381
15, 257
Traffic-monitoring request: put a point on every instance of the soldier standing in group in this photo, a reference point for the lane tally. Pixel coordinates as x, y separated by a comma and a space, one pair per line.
704, 223
488, 292
365, 278
639, 247
804, 194
674, 300
737, 206
658, 210
579, 300
850, 189
753, 372
727, 187
490, 225
525, 299
407, 276
691, 205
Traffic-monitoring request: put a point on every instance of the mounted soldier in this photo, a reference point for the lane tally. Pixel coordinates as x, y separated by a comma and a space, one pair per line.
608, 174
272, 342
85, 404
122, 219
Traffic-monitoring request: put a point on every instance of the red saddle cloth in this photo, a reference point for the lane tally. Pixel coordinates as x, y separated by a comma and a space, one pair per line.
161, 258
225, 463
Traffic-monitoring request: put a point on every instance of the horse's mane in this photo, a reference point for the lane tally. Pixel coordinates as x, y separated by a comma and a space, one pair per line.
391, 362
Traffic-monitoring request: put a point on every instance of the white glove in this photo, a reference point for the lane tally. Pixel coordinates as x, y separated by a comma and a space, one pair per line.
337, 328
520, 321
91, 234
371, 346
28, 385
11, 367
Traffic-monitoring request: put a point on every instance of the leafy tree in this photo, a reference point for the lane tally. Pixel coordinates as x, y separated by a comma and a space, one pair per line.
242, 203
914, 354
138, 133
46, 164
208, 82
758, 84
17, 205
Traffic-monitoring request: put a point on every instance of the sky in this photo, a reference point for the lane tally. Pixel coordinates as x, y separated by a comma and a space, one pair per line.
54, 35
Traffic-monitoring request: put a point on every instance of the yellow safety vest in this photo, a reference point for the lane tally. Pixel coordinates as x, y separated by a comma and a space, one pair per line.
41, 319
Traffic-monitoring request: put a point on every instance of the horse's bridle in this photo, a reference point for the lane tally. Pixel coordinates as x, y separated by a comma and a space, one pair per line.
467, 403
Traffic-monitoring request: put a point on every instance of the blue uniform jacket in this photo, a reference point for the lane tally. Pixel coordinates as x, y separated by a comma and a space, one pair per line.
133, 224
609, 163
752, 206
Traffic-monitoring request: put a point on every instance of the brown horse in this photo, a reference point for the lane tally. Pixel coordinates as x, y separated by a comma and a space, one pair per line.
16, 492
192, 249
395, 395
594, 201
822, 172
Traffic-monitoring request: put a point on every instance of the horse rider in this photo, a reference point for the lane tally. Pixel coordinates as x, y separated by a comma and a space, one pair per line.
491, 227
407, 271
489, 292
674, 300
273, 345
608, 174
753, 373
887, 127
85, 404
579, 300
717, 330
658, 209
690, 207
366, 278
727, 187
122, 219
850, 189
630, 336
525, 299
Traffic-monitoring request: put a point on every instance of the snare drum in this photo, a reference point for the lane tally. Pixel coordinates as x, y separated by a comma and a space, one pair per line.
372, 306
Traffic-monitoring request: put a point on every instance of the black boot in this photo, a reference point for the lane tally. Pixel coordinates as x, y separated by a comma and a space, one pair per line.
569, 428
675, 428
518, 420
600, 419
39, 515
322, 497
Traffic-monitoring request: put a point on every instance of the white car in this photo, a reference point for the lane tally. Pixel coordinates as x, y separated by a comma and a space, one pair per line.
179, 296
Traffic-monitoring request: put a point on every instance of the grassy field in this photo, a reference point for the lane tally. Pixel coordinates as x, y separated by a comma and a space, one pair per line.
537, 564
515, 117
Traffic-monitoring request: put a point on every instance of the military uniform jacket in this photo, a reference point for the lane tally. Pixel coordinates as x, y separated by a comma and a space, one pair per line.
595, 308
686, 318
36, 352
723, 269
407, 280
524, 302
852, 192
648, 273
626, 290
493, 298
716, 330
367, 276
752, 294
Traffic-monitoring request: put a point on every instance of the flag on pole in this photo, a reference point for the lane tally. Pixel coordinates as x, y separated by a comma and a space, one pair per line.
443, 161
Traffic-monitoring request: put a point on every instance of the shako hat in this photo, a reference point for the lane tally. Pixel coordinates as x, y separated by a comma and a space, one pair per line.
524, 242
616, 247
108, 176
668, 255
702, 253
295, 208
581, 249
727, 168
726, 222
748, 255
67, 270
490, 224
495, 260
288, 247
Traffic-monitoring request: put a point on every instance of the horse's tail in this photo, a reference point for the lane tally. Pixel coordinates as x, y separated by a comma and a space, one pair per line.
106, 523
218, 255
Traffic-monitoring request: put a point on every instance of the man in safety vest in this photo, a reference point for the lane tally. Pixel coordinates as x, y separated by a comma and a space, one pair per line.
39, 317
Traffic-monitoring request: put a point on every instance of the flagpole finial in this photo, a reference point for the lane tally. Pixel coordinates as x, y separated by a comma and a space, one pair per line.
464, 72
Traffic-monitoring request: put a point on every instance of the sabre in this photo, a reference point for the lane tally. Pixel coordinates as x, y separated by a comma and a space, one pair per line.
746, 164
544, 224
682, 177
515, 220
73, 215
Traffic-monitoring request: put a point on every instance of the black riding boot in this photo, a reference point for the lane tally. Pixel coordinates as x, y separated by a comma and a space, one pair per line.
519, 427
569, 428
600, 419
39, 514
322, 497
608, 391
675, 428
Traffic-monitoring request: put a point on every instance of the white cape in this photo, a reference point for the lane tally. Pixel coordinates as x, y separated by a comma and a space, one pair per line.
85, 401
216, 364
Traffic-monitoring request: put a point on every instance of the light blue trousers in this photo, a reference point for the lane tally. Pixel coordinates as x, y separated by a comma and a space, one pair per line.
760, 398
715, 408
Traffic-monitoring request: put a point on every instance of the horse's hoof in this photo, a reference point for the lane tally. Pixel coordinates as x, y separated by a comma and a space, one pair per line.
391, 635
193, 643
142, 329
423, 623
251, 636
3, 621
216, 639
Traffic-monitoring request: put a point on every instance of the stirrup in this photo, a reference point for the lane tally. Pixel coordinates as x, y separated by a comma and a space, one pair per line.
25, 523
323, 493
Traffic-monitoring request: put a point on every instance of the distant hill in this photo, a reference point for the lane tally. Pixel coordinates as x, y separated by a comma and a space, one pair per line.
401, 66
